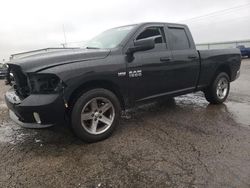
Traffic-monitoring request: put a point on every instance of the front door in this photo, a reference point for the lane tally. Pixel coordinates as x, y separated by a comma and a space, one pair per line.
147, 71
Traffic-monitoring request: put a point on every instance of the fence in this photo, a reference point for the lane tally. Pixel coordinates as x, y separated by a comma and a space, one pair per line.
220, 45
202, 46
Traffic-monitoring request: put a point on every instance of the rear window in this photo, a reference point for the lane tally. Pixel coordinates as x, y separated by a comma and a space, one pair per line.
179, 39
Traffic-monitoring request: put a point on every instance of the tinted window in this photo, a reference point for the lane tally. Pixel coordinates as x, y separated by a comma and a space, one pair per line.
179, 39
151, 32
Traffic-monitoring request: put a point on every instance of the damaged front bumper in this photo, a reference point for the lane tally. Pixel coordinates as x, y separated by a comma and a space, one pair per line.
37, 110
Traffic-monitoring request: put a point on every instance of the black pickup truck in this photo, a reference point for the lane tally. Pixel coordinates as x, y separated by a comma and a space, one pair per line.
117, 69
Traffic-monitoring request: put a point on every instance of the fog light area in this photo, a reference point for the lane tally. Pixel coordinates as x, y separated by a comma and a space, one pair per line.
37, 117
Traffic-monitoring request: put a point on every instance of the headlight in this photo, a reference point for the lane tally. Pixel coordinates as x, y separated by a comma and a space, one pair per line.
44, 83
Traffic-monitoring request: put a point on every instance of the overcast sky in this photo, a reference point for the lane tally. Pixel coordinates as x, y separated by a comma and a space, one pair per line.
33, 24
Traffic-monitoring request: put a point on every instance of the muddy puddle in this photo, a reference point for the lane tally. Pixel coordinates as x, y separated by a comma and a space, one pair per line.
240, 112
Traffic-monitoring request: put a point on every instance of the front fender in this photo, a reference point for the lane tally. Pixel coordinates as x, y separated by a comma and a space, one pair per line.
76, 75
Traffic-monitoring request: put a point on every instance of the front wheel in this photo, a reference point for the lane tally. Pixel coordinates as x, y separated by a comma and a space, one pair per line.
218, 91
95, 115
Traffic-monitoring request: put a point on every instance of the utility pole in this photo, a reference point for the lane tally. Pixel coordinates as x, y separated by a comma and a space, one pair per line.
65, 40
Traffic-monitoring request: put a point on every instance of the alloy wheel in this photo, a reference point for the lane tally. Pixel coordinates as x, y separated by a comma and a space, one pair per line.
222, 88
97, 115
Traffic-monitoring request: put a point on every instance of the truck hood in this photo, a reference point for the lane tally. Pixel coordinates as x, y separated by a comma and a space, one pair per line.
38, 62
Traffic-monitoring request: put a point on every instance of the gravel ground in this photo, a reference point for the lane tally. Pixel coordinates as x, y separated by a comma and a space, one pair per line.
181, 142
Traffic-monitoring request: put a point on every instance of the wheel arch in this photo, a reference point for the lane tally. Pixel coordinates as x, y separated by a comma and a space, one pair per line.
105, 84
224, 68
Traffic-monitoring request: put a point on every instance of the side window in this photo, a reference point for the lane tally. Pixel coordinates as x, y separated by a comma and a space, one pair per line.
152, 31
179, 38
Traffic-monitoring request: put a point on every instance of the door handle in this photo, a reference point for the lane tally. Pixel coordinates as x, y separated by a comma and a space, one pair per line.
192, 57
165, 59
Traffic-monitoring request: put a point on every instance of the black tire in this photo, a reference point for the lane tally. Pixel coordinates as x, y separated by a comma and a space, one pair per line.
82, 101
211, 92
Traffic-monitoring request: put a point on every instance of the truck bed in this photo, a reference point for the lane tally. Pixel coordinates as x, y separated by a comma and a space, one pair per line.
213, 60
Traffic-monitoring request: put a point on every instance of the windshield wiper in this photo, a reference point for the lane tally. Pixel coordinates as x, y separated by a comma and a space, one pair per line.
92, 47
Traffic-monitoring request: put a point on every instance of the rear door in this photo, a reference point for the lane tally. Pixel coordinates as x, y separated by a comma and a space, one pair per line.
185, 63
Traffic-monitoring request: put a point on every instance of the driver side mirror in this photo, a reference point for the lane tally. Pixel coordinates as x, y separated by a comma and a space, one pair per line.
143, 44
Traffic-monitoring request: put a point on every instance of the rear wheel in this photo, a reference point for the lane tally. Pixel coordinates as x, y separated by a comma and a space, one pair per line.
95, 115
218, 91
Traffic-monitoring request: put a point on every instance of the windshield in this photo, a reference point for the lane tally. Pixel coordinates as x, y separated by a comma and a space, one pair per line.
110, 38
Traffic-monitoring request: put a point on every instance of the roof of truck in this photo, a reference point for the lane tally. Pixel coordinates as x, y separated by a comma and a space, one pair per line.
174, 24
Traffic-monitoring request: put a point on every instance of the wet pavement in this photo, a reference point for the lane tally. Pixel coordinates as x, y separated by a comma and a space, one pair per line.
181, 142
